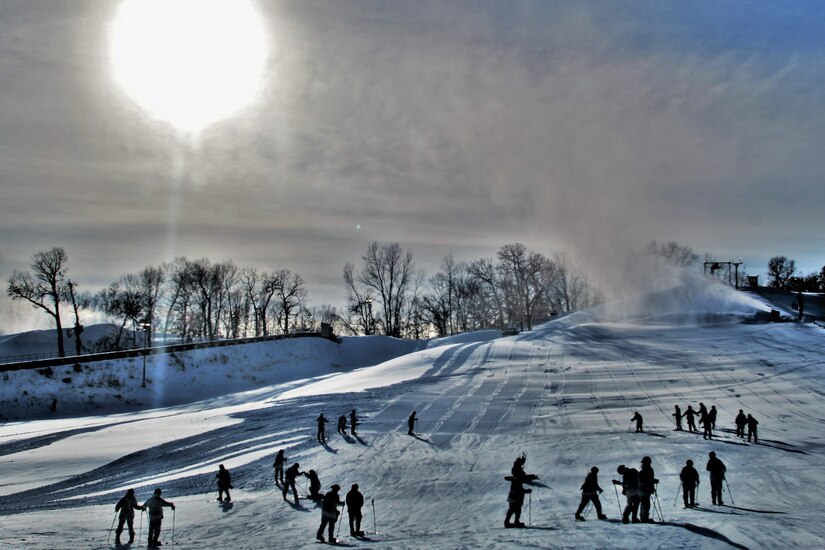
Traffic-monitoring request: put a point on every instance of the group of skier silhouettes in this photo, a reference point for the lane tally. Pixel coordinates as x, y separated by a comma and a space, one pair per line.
638, 486
330, 500
707, 419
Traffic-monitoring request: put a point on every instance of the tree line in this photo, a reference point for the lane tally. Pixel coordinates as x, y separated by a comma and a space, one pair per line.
191, 300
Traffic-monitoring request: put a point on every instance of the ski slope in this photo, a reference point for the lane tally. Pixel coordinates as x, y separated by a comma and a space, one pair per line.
562, 393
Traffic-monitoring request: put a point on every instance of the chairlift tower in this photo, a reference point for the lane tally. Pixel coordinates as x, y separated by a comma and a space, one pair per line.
714, 266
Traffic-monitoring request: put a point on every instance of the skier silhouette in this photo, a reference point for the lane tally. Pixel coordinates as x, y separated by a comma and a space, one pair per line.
630, 489
329, 514
342, 425
639, 421
678, 416
717, 471
752, 423
314, 486
411, 423
280, 460
590, 493
291, 473
690, 414
705, 421
647, 486
741, 422
154, 505
127, 506
355, 500
690, 480
322, 436
712, 416
224, 483
515, 499
353, 421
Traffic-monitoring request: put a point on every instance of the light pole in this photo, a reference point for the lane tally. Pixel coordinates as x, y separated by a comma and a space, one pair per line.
146, 326
369, 315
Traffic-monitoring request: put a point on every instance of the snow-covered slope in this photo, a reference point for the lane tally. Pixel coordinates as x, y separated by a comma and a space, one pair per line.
562, 393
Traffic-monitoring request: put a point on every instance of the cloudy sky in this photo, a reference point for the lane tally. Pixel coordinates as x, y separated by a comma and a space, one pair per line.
451, 127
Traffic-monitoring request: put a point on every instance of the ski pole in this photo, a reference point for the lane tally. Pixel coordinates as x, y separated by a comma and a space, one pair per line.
530, 508
587, 509
340, 521
173, 527
619, 504
374, 527
658, 505
729, 493
679, 490
114, 517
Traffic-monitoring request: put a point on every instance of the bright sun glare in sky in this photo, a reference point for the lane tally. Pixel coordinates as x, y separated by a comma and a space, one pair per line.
188, 62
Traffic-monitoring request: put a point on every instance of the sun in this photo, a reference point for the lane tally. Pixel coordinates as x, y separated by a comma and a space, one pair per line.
188, 62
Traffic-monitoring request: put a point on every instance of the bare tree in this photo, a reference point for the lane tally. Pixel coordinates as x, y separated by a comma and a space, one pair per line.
290, 293
780, 270
387, 270
674, 253
77, 329
44, 287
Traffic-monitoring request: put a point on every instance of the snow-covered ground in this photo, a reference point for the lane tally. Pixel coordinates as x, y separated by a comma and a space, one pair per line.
562, 393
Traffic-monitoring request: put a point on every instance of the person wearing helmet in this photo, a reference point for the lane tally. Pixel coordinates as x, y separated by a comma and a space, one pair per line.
329, 514
590, 493
647, 486
517, 470
717, 471
630, 488
154, 506
126, 506
690, 480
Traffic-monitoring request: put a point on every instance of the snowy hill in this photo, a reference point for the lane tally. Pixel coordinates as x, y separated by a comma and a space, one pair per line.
563, 393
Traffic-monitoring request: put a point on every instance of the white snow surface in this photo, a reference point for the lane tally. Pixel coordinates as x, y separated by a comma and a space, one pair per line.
562, 393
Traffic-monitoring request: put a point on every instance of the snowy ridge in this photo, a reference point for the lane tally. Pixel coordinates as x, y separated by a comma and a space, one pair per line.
562, 393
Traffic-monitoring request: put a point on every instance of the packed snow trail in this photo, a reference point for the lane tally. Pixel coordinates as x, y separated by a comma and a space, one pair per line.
563, 393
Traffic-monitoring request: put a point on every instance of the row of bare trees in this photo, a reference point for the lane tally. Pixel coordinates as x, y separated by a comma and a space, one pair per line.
385, 292
190, 299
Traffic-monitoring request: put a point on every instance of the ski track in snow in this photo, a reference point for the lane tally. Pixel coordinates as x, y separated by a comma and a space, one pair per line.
563, 394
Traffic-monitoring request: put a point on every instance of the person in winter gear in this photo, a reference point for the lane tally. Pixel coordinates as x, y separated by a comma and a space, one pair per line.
280, 460
154, 505
355, 501
515, 499
741, 422
590, 493
342, 425
638, 419
647, 486
690, 415
291, 473
712, 416
329, 514
752, 423
517, 470
224, 483
678, 416
705, 421
411, 423
353, 421
690, 480
127, 506
717, 477
314, 486
322, 435
630, 488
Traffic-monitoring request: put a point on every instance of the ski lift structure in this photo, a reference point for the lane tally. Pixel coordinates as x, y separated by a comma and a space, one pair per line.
727, 270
